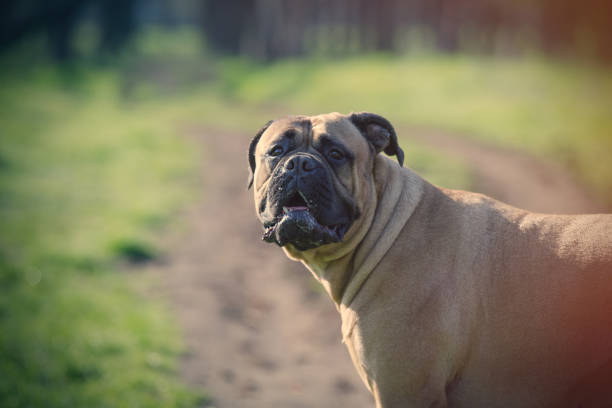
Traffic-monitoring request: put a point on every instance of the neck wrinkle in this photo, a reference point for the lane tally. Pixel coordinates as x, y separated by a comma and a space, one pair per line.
344, 267
397, 196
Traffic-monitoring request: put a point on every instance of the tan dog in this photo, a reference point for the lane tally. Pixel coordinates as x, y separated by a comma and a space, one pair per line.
447, 298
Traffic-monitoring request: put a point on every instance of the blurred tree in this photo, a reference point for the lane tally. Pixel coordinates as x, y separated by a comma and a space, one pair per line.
225, 23
271, 29
57, 20
117, 22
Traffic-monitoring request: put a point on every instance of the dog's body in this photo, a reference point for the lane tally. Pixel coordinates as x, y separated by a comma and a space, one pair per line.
447, 298
477, 304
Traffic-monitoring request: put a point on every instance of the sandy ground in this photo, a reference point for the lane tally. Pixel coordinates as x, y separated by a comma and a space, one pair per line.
260, 333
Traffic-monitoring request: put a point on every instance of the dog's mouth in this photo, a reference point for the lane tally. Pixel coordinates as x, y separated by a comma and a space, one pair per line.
297, 225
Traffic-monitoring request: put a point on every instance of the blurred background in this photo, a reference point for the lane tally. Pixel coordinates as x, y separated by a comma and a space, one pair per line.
131, 272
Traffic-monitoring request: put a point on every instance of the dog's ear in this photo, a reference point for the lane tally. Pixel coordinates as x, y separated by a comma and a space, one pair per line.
252, 148
379, 132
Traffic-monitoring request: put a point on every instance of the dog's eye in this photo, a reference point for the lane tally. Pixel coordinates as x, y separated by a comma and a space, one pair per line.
336, 154
276, 151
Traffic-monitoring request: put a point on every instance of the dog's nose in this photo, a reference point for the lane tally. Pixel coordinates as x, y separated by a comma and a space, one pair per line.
308, 164
303, 163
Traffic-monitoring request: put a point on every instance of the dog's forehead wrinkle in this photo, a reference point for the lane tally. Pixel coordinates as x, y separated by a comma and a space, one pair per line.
306, 124
295, 128
326, 139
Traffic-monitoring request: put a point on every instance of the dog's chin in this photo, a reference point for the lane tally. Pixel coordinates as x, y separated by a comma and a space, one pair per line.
298, 227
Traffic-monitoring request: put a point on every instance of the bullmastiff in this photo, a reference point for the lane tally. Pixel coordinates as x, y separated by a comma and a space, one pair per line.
447, 298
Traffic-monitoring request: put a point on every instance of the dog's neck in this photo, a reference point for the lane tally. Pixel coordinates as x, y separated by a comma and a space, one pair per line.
343, 268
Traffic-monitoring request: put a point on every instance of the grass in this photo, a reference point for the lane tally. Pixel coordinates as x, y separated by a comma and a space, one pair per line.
557, 109
86, 182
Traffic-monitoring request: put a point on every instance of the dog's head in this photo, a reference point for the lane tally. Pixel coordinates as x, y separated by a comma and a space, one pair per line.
310, 174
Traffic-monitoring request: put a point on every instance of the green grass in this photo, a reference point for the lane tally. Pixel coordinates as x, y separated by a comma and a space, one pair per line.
555, 109
86, 182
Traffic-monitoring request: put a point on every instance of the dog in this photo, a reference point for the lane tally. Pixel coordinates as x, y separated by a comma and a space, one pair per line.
447, 297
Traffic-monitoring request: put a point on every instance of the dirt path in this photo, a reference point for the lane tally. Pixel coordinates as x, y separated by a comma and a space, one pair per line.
513, 177
259, 332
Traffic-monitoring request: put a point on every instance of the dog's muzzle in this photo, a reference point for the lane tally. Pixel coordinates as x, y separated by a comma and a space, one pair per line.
304, 203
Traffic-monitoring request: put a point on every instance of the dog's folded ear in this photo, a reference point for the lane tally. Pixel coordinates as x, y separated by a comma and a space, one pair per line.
379, 132
252, 148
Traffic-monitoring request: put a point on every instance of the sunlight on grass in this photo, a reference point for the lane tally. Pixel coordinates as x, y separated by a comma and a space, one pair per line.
86, 180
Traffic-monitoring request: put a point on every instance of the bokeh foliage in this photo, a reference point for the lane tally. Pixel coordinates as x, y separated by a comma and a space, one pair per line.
83, 177
271, 30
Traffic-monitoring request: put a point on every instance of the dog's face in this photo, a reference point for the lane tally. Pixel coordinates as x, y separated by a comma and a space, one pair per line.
310, 175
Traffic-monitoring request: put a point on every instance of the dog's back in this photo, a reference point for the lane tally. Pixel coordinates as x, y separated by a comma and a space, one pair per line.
545, 303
